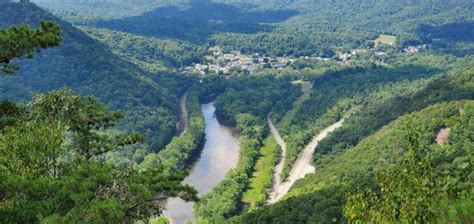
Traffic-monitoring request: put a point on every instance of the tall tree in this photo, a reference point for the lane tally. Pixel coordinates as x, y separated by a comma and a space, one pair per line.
414, 191
51, 169
22, 40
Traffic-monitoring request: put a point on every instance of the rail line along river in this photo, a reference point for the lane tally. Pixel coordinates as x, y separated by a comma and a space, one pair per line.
220, 153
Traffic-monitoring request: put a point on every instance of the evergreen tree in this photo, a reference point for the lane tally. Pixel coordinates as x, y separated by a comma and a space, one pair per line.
22, 40
51, 169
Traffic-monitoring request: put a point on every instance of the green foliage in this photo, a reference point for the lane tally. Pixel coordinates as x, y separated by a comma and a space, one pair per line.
255, 95
262, 178
90, 68
356, 169
149, 53
197, 21
9, 113
408, 193
182, 148
324, 26
86, 120
50, 170
245, 102
31, 148
161, 220
374, 96
85, 11
298, 28
387, 105
224, 201
55, 145
18, 41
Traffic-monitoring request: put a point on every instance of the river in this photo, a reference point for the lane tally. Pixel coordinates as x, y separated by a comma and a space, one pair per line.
220, 153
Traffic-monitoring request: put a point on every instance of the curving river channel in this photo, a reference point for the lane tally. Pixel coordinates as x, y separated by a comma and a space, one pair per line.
220, 153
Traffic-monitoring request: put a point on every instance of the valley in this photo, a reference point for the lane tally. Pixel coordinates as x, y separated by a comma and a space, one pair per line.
218, 155
236, 111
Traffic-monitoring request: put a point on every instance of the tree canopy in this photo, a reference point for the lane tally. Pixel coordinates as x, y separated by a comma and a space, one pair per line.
22, 40
52, 169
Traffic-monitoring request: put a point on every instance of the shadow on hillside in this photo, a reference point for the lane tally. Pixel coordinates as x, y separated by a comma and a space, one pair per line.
453, 38
198, 21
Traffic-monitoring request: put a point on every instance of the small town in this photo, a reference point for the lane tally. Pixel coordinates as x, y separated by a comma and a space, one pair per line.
225, 63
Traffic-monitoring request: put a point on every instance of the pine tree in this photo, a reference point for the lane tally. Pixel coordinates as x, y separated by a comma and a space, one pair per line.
22, 40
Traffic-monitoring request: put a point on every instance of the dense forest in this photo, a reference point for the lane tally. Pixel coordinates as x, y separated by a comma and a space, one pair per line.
152, 54
286, 27
340, 91
333, 190
90, 68
89, 109
51, 169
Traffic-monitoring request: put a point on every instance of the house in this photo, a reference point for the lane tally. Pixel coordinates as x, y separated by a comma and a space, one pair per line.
414, 49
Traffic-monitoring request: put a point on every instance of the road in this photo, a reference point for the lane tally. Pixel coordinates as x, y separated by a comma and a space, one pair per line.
182, 124
302, 166
279, 166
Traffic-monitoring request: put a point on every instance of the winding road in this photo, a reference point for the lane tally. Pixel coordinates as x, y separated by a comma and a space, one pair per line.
281, 161
301, 167
182, 124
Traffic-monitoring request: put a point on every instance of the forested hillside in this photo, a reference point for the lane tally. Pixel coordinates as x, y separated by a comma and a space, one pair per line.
352, 163
351, 24
320, 198
152, 54
85, 11
90, 68
286, 27
397, 77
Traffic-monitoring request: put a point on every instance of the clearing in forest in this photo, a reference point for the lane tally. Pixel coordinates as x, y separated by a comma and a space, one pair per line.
385, 39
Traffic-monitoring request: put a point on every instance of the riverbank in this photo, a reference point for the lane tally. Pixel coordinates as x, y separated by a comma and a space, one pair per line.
220, 153
180, 150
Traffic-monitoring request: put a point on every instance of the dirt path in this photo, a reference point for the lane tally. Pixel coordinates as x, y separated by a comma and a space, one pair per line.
302, 166
182, 124
279, 166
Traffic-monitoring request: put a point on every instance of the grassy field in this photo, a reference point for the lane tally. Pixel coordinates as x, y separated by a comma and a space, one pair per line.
385, 39
262, 178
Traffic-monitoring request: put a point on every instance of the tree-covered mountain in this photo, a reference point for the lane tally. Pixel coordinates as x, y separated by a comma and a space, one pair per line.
150, 53
90, 68
345, 24
403, 152
292, 27
321, 197
85, 11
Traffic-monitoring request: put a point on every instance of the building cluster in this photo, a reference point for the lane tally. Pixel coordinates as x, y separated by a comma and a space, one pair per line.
345, 56
415, 49
226, 63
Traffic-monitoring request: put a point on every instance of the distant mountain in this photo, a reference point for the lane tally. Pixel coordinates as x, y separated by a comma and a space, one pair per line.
89, 10
91, 69
290, 27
